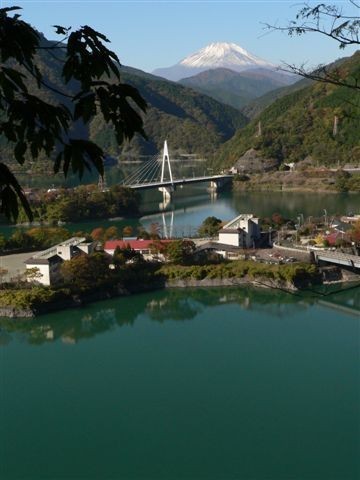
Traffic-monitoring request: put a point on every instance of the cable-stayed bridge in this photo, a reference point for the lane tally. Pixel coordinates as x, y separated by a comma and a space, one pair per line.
157, 173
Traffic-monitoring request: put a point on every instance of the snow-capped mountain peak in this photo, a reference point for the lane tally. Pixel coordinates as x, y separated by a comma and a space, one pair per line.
223, 54
215, 55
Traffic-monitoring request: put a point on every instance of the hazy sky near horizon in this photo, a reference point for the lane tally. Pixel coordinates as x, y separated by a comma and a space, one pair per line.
148, 34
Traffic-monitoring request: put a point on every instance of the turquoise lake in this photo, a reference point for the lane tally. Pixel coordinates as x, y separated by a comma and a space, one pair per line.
191, 205
231, 383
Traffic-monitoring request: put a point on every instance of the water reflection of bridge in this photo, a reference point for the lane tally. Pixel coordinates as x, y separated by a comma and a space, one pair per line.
339, 307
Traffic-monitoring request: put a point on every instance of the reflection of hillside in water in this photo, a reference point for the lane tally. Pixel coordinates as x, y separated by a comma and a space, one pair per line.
186, 305
168, 305
345, 299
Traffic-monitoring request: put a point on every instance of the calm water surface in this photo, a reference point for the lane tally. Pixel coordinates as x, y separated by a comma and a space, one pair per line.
191, 205
185, 384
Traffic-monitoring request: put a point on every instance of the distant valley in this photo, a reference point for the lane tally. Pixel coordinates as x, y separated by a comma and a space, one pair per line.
238, 89
219, 112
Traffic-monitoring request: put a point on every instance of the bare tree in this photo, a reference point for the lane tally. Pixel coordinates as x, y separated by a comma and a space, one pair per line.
331, 21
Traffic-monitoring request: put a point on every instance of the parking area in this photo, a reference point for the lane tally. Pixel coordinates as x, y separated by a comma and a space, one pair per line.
14, 264
274, 255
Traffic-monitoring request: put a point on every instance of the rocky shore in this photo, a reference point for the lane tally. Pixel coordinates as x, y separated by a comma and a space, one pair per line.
80, 300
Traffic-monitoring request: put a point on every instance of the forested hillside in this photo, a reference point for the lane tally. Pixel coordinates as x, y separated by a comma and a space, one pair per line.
253, 108
300, 125
191, 122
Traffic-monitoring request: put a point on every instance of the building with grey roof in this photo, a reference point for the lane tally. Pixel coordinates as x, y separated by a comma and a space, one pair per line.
48, 262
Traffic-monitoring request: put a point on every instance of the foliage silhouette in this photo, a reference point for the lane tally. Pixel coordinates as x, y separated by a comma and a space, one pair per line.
35, 126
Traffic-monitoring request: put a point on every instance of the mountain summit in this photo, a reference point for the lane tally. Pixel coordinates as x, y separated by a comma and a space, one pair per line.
215, 55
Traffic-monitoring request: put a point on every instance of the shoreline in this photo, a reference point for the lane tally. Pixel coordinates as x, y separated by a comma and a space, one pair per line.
307, 181
82, 300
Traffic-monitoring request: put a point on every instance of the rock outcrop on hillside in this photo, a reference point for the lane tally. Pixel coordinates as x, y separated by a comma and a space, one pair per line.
253, 162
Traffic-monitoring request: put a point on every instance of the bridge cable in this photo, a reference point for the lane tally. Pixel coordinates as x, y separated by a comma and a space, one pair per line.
145, 174
139, 172
156, 172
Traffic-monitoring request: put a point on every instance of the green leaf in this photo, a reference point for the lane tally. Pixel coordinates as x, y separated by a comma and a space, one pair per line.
80, 155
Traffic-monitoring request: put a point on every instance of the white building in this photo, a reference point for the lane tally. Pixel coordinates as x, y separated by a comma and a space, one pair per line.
48, 262
243, 231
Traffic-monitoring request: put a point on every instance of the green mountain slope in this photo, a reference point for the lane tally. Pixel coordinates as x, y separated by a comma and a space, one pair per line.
256, 106
191, 122
234, 88
300, 125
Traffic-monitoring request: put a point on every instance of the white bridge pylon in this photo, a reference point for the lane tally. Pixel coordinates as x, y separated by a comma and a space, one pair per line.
166, 191
166, 158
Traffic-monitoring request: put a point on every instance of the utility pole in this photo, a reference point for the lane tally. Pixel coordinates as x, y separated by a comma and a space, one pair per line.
336, 124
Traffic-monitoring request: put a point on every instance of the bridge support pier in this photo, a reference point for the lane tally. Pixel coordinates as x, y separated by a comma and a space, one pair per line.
167, 192
213, 186
218, 184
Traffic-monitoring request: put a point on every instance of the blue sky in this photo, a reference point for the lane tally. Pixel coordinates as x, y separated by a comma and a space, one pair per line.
148, 34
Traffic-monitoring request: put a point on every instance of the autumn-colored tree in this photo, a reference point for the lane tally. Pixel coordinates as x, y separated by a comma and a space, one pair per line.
319, 240
157, 246
355, 232
127, 231
20, 239
111, 233
44, 237
98, 234
277, 219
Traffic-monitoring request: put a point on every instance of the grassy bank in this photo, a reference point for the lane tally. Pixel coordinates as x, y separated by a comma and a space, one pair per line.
291, 274
30, 301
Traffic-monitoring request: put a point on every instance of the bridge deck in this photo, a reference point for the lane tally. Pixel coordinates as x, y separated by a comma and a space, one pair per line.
338, 258
183, 181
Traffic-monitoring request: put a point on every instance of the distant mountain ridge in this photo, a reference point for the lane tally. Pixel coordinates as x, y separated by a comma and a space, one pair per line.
215, 55
237, 88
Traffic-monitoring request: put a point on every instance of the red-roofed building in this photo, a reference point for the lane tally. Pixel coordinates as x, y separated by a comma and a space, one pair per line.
141, 246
